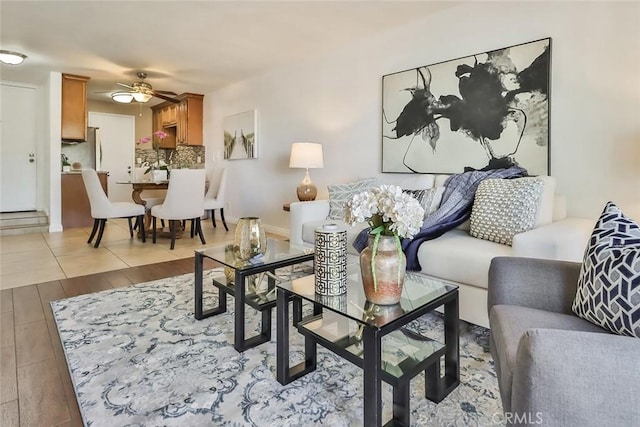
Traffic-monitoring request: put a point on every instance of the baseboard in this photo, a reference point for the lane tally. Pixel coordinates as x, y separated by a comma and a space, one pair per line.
54, 228
267, 227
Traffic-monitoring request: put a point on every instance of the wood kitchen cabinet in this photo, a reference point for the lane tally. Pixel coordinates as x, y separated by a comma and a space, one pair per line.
76, 210
74, 107
168, 115
181, 121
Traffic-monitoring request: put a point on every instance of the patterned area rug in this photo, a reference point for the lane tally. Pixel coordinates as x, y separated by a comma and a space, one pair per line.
138, 357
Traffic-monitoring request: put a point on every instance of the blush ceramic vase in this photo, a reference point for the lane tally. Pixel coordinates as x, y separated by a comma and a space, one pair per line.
389, 265
250, 239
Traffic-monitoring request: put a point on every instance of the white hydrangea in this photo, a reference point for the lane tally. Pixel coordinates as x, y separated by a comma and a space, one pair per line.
400, 213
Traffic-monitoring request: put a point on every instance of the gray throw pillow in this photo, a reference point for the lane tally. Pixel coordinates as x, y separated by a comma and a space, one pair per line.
339, 194
608, 293
503, 208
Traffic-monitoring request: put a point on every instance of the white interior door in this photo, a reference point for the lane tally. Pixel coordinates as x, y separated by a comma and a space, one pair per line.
117, 142
18, 160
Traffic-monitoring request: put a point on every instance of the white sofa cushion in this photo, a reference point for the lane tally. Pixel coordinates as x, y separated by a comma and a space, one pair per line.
546, 206
418, 182
458, 257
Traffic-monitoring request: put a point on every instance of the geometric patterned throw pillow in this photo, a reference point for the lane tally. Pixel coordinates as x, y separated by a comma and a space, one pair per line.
339, 194
608, 292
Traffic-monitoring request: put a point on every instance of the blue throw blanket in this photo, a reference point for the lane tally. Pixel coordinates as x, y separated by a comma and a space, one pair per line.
455, 208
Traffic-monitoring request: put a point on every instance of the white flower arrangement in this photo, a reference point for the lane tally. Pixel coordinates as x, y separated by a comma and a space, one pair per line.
388, 210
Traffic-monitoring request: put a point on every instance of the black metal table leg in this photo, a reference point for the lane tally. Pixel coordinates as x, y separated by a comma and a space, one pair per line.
198, 285
437, 387
240, 342
372, 386
282, 336
199, 312
284, 373
401, 405
238, 335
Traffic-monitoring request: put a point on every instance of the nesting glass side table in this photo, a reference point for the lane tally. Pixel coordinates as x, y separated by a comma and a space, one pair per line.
374, 338
279, 254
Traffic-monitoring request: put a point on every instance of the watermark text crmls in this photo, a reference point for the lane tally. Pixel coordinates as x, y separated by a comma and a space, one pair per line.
518, 418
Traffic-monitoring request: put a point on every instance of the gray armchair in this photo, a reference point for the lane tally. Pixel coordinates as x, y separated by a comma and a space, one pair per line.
554, 368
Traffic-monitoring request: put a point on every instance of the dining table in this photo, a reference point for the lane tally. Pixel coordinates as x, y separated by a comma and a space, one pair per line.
137, 188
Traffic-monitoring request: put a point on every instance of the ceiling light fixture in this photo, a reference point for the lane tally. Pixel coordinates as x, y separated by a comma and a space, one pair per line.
122, 97
11, 58
141, 97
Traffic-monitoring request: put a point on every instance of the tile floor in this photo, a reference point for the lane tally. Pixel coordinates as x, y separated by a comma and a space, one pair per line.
41, 257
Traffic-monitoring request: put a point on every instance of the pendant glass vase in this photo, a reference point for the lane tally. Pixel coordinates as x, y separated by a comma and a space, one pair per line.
385, 286
250, 239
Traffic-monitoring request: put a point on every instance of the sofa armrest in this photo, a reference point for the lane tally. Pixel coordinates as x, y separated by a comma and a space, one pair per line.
564, 240
572, 378
536, 283
302, 212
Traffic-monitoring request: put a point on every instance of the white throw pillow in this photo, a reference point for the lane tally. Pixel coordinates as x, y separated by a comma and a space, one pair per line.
503, 208
339, 194
608, 291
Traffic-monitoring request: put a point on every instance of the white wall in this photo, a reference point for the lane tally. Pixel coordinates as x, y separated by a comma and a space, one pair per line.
52, 138
336, 100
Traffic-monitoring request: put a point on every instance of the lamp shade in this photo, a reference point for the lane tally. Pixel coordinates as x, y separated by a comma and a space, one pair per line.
141, 97
123, 97
306, 155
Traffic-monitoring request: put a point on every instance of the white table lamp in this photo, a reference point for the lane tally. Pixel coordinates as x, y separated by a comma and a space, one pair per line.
306, 155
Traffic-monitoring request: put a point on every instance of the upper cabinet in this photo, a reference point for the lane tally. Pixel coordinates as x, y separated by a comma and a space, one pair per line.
181, 121
74, 107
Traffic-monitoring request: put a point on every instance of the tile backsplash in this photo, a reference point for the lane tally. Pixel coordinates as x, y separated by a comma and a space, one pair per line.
184, 156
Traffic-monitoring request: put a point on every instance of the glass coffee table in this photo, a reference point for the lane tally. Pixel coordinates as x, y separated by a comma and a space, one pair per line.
374, 338
279, 254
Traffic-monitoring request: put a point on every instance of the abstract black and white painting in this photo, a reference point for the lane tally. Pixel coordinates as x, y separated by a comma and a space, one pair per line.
484, 111
240, 136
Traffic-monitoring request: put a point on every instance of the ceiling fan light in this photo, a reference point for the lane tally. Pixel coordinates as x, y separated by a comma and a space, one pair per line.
122, 97
141, 97
11, 58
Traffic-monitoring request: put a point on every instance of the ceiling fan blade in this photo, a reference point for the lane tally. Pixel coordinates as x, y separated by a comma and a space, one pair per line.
165, 92
124, 85
166, 98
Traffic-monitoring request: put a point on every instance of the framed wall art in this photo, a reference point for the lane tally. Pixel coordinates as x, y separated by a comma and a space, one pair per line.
240, 136
484, 111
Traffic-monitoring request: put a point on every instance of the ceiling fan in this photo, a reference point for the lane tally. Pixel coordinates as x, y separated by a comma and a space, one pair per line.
141, 92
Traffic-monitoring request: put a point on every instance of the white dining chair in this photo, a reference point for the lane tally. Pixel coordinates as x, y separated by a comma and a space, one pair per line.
184, 200
216, 195
102, 208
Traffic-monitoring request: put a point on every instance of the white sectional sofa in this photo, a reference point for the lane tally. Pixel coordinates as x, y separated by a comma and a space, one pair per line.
461, 258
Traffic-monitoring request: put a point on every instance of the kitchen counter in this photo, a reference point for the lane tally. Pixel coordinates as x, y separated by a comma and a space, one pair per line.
79, 171
76, 209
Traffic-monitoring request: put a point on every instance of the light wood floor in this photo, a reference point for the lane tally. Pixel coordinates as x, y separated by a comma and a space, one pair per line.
35, 386
29, 259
